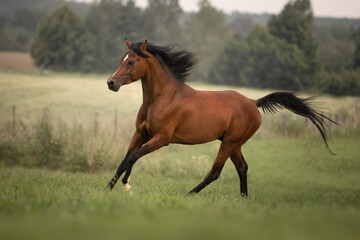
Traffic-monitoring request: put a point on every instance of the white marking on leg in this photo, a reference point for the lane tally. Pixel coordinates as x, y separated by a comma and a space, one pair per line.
126, 187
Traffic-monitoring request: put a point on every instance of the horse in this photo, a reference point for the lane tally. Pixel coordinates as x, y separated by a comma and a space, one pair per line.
173, 112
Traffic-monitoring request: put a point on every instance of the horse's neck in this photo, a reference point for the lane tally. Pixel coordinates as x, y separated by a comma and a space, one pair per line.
155, 82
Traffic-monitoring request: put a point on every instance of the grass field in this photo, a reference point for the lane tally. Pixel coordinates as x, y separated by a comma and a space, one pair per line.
297, 190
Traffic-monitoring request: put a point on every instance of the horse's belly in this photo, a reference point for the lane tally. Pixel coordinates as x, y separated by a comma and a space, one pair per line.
202, 132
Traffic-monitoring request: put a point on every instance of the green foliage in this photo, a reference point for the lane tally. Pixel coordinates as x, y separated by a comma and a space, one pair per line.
14, 38
356, 38
60, 41
27, 19
294, 25
9, 7
337, 57
343, 82
260, 60
241, 25
336, 49
206, 43
161, 21
108, 23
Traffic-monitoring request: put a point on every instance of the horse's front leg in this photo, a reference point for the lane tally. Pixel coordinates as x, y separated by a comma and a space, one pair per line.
153, 144
136, 142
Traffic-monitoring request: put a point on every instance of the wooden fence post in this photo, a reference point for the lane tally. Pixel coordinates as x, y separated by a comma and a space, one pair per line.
96, 124
115, 122
14, 119
354, 120
46, 116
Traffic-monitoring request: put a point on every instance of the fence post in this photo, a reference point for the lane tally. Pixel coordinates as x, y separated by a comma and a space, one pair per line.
14, 119
115, 122
96, 124
45, 116
354, 120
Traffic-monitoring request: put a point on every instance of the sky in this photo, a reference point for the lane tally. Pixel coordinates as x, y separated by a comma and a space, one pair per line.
321, 8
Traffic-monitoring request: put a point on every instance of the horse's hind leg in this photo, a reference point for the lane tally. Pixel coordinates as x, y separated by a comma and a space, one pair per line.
214, 173
241, 167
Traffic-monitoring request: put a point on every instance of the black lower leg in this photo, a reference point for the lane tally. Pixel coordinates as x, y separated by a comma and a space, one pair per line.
122, 167
213, 175
132, 160
243, 178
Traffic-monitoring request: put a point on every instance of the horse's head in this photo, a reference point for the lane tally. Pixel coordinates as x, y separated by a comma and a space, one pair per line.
132, 67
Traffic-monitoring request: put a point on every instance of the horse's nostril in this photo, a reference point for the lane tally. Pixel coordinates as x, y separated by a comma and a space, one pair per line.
111, 83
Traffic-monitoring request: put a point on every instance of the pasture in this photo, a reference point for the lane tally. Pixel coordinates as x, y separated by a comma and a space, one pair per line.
63, 135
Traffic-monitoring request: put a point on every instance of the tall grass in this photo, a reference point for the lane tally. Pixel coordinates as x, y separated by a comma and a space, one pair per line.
48, 141
53, 143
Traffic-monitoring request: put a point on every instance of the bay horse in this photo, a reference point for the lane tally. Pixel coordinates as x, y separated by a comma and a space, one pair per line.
173, 112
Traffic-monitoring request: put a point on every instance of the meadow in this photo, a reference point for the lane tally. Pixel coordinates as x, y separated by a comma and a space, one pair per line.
63, 135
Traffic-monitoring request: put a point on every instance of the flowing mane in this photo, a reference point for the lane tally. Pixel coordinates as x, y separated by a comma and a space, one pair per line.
178, 61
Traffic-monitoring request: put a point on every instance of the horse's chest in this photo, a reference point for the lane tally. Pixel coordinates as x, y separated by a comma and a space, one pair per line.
153, 122
158, 120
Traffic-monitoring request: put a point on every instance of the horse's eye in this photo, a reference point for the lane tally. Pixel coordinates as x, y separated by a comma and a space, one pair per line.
130, 63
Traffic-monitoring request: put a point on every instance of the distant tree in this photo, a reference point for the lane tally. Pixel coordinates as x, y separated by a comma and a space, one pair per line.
294, 25
17, 32
260, 60
161, 21
108, 23
336, 49
60, 40
27, 18
343, 82
10, 6
241, 25
206, 33
356, 38
14, 38
4, 20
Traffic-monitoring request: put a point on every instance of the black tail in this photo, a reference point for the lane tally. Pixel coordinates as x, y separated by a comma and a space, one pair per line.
301, 106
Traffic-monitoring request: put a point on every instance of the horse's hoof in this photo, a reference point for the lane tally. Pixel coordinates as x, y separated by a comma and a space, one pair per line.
126, 187
108, 187
245, 195
192, 193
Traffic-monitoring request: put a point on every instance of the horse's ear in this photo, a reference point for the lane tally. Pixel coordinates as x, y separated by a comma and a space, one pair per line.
143, 46
127, 42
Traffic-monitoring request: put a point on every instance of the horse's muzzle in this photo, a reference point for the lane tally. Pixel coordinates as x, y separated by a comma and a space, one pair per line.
111, 85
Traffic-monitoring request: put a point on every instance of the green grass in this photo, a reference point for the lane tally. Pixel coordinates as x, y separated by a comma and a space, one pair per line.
293, 194
297, 190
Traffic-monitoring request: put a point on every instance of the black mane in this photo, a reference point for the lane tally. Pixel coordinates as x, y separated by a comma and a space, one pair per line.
177, 60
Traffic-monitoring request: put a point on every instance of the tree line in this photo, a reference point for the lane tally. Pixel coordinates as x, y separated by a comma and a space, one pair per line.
284, 51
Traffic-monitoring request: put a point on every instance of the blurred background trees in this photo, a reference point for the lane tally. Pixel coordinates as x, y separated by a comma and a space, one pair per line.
60, 41
206, 33
260, 60
292, 50
294, 25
